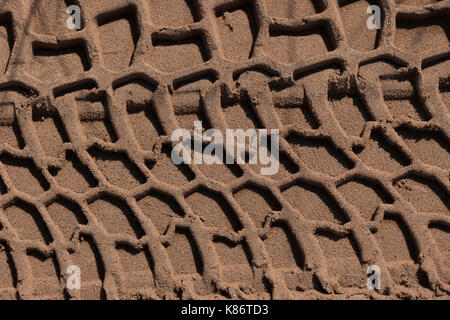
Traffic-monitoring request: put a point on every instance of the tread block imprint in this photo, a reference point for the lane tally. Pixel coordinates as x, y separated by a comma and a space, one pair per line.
86, 176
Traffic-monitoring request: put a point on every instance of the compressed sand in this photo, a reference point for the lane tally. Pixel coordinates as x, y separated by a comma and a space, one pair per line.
86, 177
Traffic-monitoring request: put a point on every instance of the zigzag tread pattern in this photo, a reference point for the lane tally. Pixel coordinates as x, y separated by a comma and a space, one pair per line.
86, 178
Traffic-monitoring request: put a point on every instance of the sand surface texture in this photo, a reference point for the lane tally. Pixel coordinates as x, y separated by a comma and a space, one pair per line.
86, 177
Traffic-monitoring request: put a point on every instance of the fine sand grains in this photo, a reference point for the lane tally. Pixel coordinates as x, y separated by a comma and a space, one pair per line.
86, 177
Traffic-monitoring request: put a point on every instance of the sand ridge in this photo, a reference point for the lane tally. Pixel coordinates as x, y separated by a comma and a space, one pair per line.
86, 176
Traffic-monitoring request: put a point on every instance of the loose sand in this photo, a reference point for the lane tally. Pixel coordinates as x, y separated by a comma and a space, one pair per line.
86, 177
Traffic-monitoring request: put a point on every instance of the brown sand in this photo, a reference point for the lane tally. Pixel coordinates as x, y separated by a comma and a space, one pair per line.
86, 177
